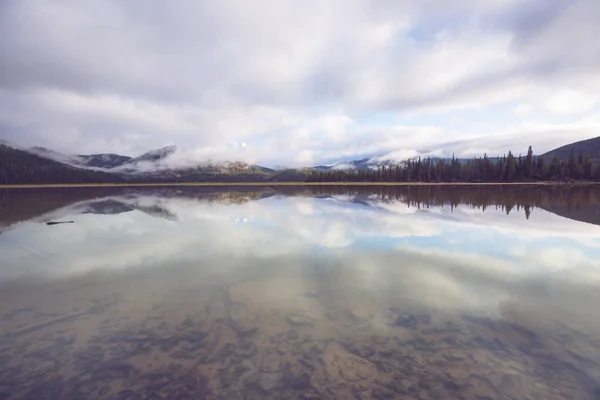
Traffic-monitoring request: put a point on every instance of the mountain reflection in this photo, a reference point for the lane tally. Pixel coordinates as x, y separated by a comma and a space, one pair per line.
581, 203
300, 293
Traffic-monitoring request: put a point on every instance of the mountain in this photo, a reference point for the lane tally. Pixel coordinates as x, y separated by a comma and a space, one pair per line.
106, 161
154, 155
40, 165
155, 166
158, 165
360, 165
200, 174
155, 171
291, 175
103, 160
170, 164
22, 167
49, 154
225, 167
589, 147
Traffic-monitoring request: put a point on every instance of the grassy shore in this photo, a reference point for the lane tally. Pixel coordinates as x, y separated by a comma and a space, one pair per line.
191, 184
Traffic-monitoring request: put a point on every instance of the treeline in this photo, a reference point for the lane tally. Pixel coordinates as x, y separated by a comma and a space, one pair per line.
508, 168
21, 167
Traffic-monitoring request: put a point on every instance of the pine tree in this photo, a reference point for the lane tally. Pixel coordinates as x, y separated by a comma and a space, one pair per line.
510, 167
529, 164
571, 170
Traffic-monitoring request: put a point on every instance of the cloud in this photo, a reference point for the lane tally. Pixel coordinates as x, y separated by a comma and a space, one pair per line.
297, 82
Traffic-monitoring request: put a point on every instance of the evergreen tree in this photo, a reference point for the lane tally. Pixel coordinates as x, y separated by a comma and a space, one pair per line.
529, 164
509, 168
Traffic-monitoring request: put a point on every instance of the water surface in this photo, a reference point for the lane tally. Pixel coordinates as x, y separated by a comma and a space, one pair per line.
300, 293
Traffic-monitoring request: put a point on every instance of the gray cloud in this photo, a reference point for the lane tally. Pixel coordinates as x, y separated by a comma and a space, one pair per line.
127, 76
528, 20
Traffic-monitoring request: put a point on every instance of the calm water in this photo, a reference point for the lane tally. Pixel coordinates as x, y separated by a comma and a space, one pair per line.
300, 293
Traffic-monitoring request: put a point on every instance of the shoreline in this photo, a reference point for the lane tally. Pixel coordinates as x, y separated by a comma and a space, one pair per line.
224, 184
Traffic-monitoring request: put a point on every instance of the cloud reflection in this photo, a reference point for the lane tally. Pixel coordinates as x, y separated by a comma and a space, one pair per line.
162, 231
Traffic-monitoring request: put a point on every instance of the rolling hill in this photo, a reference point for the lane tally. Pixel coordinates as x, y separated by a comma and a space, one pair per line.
589, 147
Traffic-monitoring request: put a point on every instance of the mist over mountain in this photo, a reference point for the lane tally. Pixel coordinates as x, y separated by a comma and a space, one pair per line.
361, 164
174, 164
23, 167
102, 160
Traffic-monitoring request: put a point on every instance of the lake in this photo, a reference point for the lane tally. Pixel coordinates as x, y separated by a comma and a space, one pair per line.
300, 293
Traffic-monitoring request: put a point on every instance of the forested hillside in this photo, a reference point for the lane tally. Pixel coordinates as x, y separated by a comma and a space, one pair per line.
504, 169
21, 167
590, 147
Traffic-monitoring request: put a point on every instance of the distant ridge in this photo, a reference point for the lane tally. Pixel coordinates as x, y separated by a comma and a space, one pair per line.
590, 147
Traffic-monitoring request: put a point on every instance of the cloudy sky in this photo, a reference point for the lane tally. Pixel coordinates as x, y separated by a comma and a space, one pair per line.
299, 82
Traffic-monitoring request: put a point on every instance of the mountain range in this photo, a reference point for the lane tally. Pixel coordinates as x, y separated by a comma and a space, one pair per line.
156, 160
43, 165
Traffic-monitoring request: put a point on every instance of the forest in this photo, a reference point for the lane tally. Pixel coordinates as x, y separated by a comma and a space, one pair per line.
508, 168
21, 167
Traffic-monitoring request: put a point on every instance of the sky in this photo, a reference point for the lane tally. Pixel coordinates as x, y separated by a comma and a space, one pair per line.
299, 83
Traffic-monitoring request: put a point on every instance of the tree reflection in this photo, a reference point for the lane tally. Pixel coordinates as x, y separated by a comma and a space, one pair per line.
581, 203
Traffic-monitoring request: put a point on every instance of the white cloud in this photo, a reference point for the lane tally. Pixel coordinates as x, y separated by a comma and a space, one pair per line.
294, 81
523, 109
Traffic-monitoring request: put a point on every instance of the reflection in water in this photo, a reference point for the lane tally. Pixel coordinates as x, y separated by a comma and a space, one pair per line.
305, 293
